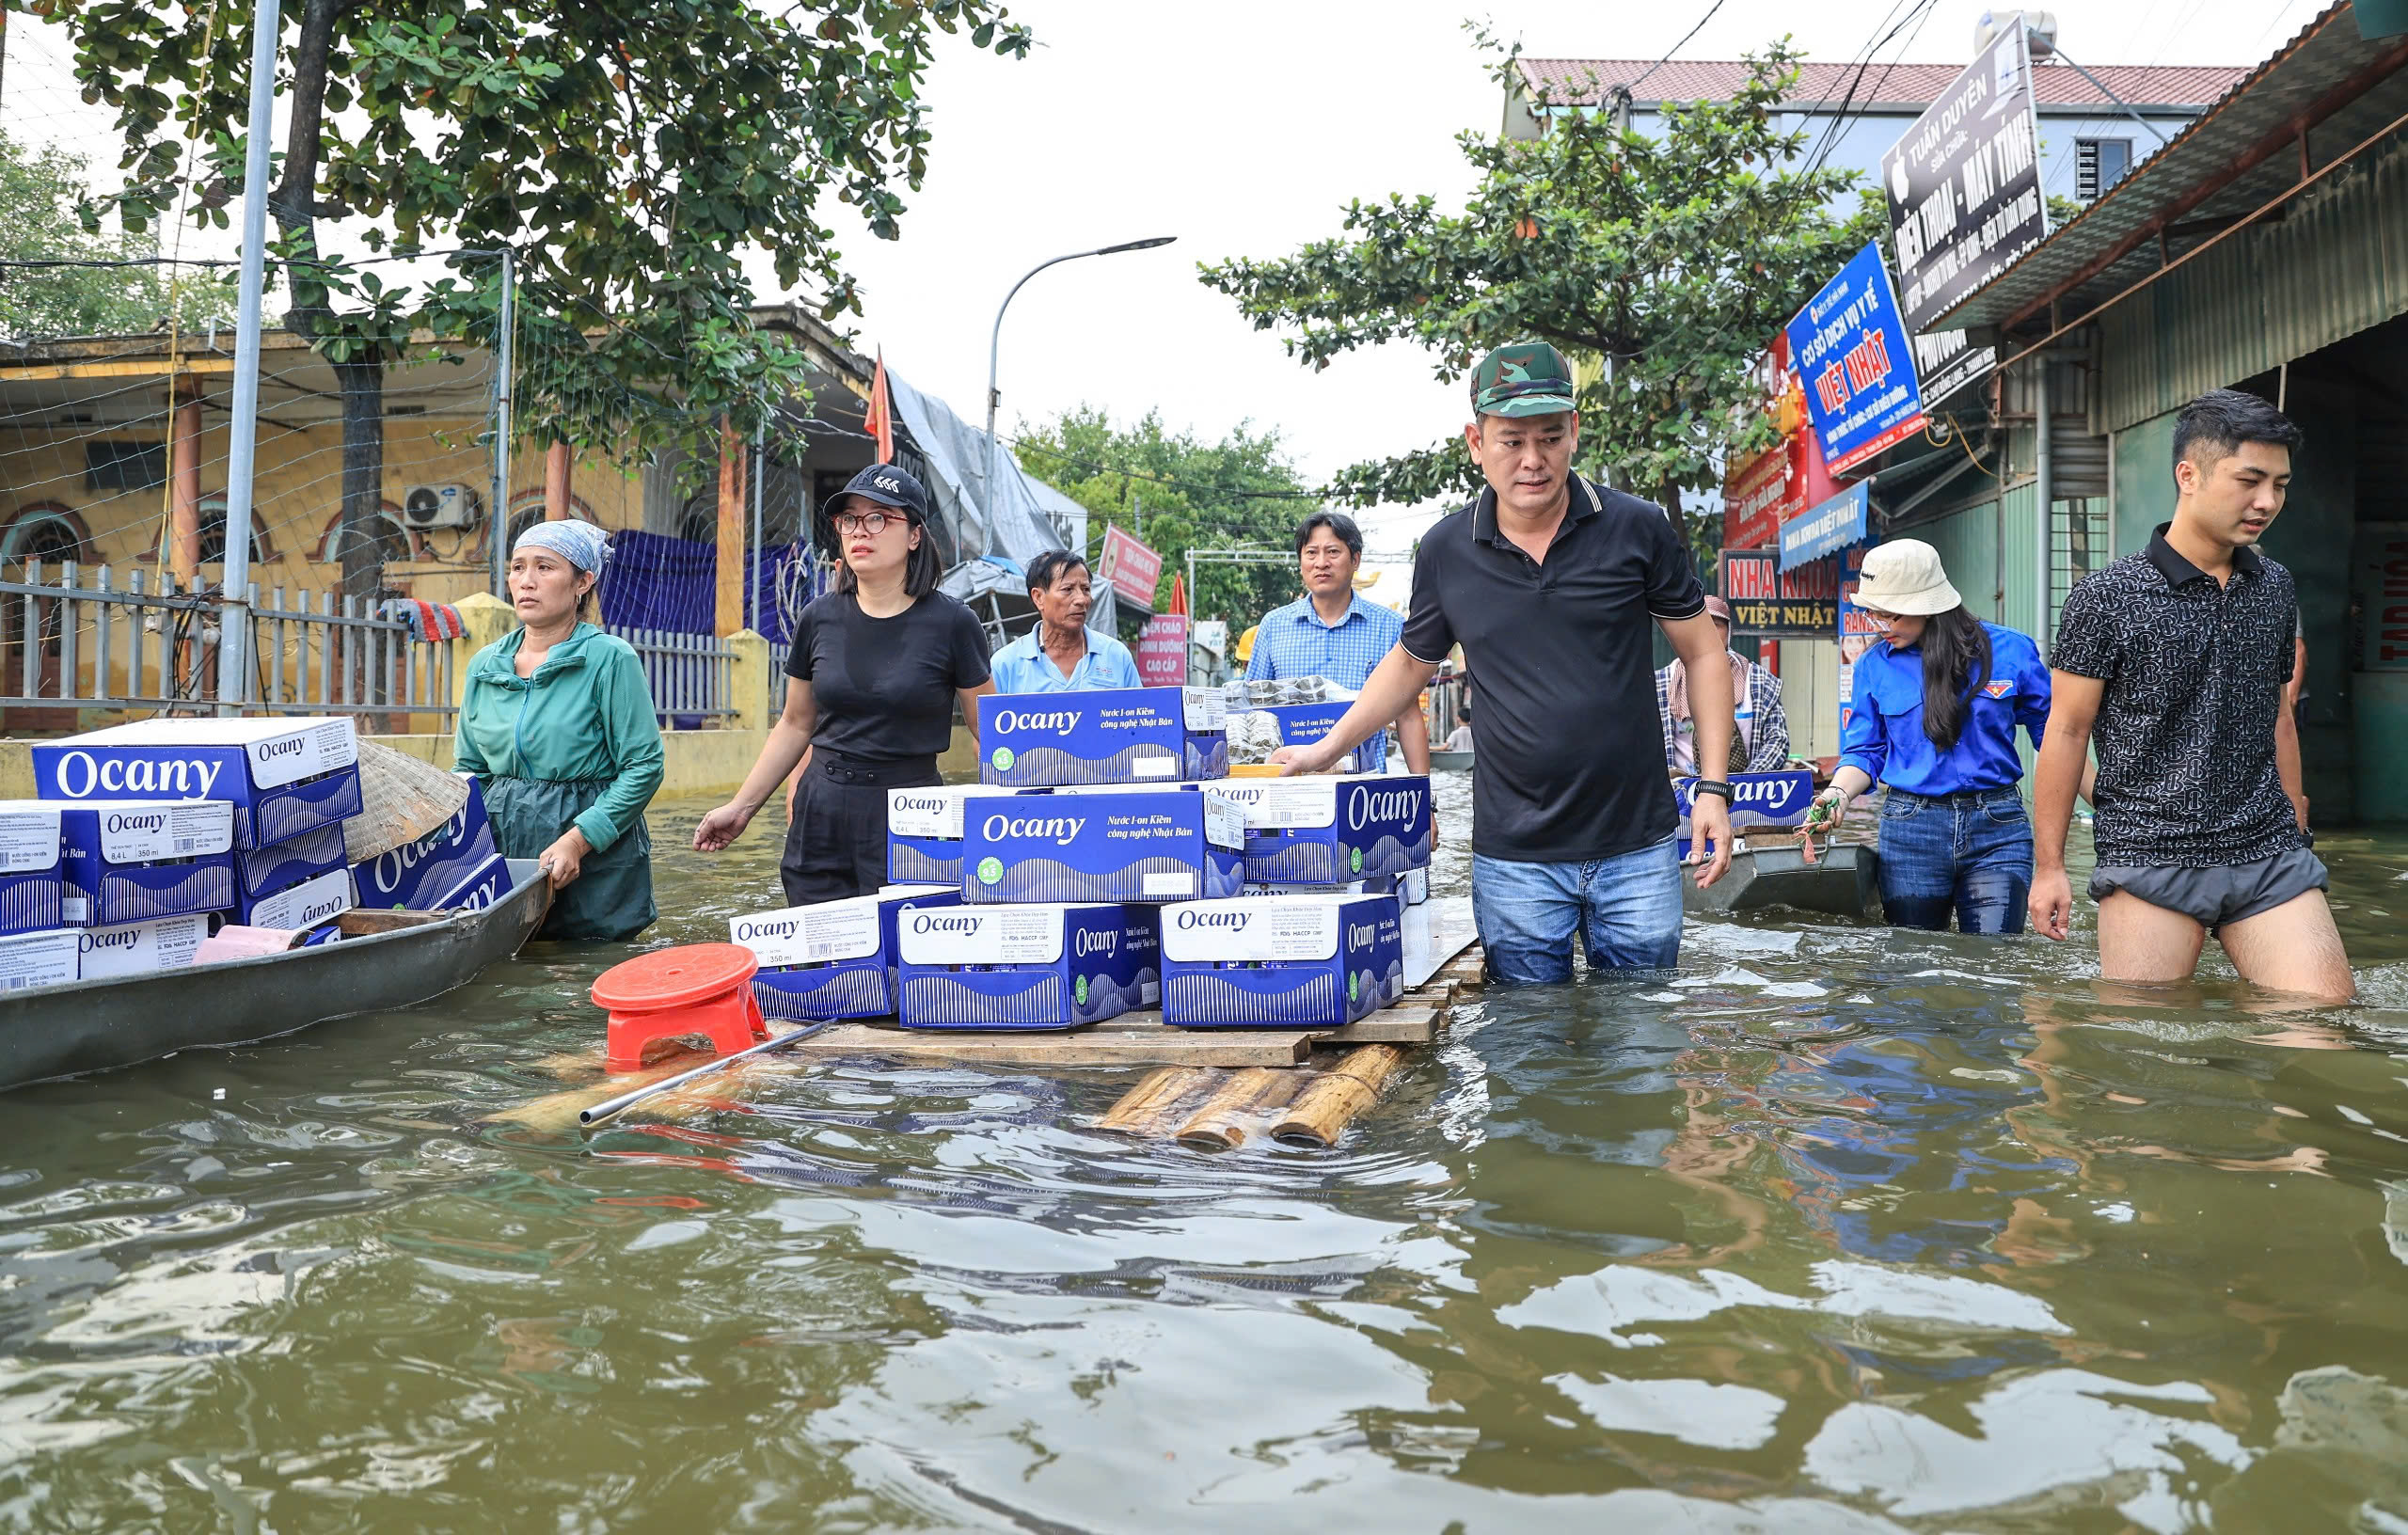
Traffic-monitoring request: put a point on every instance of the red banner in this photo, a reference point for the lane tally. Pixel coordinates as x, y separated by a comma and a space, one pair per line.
1162, 652
1762, 493
1133, 569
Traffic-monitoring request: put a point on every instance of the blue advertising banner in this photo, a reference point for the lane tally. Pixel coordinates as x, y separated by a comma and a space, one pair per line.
1849, 347
1827, 528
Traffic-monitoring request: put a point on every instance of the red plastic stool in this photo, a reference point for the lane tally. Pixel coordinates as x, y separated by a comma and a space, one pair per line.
704, 988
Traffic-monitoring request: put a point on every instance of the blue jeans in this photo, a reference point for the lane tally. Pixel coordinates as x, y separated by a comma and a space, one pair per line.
1627, 908
1970, 853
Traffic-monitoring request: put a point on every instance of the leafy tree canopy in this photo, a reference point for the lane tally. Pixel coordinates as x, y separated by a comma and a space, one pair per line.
1664, 264
41, 193
630, 153
1241, 492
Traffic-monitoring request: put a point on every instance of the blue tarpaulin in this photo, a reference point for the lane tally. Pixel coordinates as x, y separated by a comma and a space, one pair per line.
657, 582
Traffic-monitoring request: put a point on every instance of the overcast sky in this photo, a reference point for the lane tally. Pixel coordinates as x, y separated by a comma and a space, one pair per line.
1243, 127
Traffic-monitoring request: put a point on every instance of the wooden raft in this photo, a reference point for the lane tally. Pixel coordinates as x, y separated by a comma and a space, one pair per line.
1211, 1089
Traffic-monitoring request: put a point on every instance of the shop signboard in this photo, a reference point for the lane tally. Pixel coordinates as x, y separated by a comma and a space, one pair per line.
1129, 567
1162, 652
1849, 346
1856, 632
1770, 602
1826, 529
2379, 590
1964, 184
1753, 499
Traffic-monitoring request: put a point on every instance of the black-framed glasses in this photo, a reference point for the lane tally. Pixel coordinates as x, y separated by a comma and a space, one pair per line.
872, 522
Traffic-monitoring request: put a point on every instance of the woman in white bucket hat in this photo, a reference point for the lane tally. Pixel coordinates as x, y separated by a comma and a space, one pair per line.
1932, 718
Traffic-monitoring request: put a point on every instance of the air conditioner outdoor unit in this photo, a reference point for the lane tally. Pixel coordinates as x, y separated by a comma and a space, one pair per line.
441, 506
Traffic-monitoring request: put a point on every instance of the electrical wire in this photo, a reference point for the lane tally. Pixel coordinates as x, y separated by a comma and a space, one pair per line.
1634, 85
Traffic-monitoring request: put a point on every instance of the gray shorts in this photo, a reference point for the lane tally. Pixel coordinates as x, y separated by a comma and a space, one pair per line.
2213, 897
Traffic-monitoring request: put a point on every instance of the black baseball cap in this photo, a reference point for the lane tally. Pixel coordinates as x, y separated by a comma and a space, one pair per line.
888, 486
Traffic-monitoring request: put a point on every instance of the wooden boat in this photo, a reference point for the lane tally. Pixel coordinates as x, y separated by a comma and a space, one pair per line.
1450, 762
1843, 882
386, 960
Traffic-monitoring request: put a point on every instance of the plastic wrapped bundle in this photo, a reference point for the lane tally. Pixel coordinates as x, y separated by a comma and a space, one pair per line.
1253, 736
1269, 692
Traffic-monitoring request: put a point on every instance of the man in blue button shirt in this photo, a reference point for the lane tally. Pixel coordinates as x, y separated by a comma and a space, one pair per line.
1333, 632
1062, 655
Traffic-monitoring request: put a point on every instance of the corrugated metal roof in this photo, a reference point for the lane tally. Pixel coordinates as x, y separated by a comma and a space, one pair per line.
1578, 82
2327, 55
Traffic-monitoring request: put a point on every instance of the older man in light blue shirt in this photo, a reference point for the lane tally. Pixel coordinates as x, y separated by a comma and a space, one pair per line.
1062, 655
1334, 632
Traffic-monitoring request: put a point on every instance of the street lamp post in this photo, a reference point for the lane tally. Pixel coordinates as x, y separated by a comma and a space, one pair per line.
994, 352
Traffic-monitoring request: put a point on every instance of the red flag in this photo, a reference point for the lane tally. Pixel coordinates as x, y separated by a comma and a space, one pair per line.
1178, 595
877, 419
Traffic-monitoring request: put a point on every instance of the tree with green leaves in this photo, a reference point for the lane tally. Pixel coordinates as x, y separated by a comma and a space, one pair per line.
42, 194
629, 153
1667, 263
1176, 492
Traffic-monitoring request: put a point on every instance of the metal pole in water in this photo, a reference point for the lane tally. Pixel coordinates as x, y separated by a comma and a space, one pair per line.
600, 1112
233, 614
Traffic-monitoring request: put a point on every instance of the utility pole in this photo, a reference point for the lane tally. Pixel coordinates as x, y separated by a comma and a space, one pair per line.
234, 609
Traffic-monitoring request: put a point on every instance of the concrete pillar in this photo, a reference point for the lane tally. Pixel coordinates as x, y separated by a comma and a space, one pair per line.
749, 679
730, 617
556, 473
183, 479
483, 619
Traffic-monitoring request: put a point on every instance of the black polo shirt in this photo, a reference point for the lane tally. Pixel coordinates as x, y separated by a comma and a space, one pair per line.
1570, 749
2185, 735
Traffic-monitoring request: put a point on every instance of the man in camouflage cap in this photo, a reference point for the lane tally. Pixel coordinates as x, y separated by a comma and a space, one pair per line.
1550, 583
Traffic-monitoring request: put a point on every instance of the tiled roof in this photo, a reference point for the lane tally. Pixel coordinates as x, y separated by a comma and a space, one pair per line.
1576, 82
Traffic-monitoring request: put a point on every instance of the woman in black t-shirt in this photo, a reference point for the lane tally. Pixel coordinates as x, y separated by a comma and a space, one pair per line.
871, 681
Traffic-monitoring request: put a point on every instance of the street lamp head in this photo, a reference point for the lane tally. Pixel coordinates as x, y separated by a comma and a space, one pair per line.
1137, 245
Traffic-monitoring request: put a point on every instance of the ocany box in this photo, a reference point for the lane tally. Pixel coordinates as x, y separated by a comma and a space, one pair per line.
414, 877
1027, 967
1756, 800
1113, 736
33, 880
138, 948
295, 907
1329, 828
282, 865
924, 830
489, 883
131, 861
1103, 844
1281, 962
47, 959
832, 958
283, 777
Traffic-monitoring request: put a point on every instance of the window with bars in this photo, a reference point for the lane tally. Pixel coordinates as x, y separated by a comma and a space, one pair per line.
2099, 164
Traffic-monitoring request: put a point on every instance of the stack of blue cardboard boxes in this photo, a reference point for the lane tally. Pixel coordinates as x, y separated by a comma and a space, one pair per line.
147, 837
1104, 863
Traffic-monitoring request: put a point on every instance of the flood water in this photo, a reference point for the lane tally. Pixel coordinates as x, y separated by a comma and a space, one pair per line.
1837, 1230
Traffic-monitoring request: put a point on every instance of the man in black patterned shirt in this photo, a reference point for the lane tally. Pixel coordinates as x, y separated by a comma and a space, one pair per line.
2178, 659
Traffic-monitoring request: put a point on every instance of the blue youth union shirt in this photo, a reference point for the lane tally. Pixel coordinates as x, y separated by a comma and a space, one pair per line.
1884, 737
1022, 666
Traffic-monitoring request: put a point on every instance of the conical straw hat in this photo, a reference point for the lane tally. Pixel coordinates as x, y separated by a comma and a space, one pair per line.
402, 799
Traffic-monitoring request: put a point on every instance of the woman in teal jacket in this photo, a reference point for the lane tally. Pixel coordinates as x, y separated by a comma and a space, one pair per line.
557, 724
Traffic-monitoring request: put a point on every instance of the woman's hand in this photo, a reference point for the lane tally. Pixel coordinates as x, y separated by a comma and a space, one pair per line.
564, 860
722, 827
1829, 809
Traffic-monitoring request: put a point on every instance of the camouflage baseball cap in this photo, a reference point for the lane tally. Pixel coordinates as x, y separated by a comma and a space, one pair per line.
1525, 378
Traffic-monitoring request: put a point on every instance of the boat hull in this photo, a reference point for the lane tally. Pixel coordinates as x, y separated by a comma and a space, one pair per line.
60, 1030
1844, 883
1450, 762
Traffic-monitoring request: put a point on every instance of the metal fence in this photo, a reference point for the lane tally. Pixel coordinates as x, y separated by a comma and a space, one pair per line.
691, 675
76, 636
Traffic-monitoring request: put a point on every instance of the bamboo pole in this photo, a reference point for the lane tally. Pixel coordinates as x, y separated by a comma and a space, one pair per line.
1148, 1109
1324, 1110
1236, 1111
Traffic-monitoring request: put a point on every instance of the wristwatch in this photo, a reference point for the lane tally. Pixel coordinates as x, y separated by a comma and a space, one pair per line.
1710, 785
